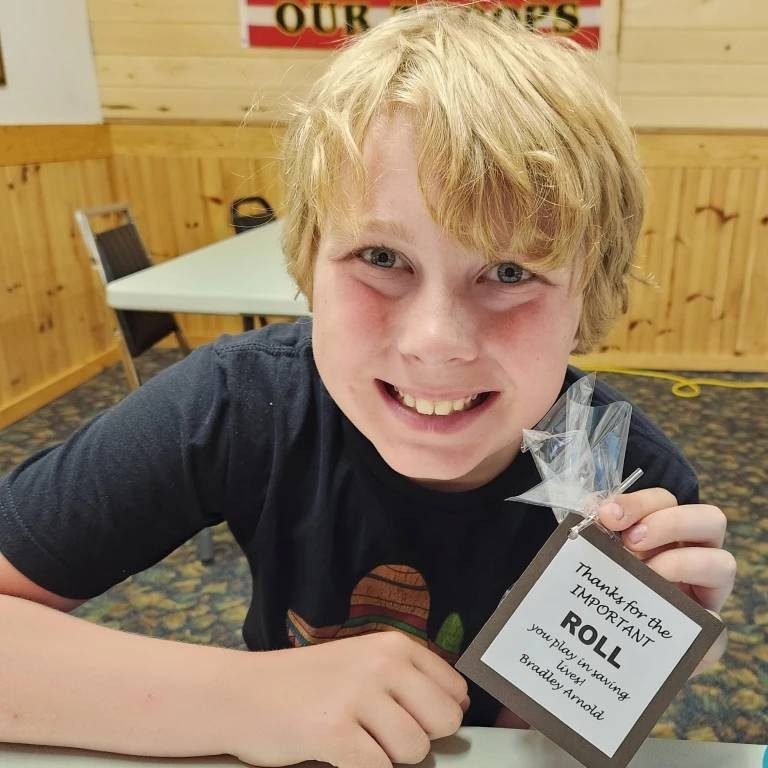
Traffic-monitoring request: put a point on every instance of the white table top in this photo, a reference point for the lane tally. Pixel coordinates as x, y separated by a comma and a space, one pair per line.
243, 275
469, 748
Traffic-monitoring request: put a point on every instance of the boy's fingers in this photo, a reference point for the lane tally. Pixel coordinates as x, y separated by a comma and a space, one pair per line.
358, 750
626, 509
395, 730
436, 712
699, 524
709, 572
440, 671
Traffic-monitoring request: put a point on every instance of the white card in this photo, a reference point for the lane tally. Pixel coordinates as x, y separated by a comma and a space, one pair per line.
592, 644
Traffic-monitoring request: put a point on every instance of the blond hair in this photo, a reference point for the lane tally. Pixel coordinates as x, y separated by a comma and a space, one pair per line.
530, 154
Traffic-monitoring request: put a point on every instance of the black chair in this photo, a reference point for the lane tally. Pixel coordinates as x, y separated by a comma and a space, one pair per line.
243, 221
117, 252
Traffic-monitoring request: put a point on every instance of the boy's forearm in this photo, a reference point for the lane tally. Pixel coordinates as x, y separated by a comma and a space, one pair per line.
67, 682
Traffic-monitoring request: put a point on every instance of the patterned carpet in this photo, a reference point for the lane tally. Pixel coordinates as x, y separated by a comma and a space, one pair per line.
723, 432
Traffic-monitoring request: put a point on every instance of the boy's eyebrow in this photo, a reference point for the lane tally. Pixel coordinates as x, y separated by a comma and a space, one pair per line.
389, 226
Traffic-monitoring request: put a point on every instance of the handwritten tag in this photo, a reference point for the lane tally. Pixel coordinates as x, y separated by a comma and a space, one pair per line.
589, 646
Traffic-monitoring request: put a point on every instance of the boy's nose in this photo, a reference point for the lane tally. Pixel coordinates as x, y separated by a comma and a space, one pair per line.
436, 328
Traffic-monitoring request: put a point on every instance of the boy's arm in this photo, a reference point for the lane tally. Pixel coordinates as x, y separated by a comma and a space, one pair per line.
368, 701
67, 682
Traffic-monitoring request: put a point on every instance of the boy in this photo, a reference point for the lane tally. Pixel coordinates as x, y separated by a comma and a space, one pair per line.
462, 208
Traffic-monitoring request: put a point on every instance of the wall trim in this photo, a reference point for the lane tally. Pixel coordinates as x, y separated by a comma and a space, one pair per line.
63, 383
26, 144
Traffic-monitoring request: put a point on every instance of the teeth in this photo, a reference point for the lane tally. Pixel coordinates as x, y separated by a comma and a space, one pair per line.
427, 407
435, 407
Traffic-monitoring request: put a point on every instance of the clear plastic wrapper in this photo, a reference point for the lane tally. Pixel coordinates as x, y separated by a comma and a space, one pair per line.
579, 451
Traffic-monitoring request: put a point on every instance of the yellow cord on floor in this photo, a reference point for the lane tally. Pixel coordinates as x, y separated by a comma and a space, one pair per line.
683, 386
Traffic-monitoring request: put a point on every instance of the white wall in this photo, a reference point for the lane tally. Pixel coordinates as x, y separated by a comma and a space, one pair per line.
49, 69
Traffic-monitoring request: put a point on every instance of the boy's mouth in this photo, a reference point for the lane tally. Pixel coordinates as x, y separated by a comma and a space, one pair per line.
427, 407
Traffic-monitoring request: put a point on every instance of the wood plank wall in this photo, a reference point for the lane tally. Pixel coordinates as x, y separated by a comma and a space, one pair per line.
54, 328
181, 181
687, 64
705, 241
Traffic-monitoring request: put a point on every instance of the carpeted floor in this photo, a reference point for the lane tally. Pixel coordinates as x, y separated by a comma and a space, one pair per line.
723, 432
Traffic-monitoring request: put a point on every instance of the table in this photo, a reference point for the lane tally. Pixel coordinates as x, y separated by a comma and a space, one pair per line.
469, 748
242, 275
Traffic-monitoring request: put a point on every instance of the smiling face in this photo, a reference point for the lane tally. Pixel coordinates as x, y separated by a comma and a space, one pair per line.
439, 359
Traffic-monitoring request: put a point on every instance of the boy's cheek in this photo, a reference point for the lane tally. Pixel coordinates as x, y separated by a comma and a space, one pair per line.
345, 299
543, 328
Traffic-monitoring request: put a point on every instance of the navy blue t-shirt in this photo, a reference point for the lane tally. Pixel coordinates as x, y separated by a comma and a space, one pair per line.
338, 543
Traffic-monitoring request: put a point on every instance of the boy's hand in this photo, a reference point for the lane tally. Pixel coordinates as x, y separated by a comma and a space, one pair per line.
361, 702
681, 543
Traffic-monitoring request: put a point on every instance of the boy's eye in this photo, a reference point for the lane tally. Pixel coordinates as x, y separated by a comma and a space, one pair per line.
508, 272
379, 256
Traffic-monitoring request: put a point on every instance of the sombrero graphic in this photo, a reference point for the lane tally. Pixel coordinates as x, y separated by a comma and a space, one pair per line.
390, 597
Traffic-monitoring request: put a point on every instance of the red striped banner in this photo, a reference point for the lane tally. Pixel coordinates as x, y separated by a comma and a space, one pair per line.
274, 24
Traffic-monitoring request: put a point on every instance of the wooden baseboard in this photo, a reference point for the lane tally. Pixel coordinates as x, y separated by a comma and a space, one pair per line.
673, 362
63, 383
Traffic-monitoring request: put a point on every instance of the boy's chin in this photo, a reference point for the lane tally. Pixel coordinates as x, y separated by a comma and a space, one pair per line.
442, 475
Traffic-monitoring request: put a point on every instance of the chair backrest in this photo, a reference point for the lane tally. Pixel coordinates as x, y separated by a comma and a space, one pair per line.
243, 221
121, 251
118, 252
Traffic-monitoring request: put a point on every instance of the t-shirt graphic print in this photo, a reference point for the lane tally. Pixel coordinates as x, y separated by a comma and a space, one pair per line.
390, 597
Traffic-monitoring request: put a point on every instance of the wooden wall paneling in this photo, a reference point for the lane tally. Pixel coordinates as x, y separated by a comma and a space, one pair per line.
238, 180
164, 11
217, 197
29, 144
708, 80
758, 315
151, 177
725, 261
219, 141
220, 104
681, 254
62, 193
128, 188
720, 227
24, 368
186, 218
737, 264
691, 46
702, 14
697, 290
683, 150
210, 73
686, 112
666, 196
216, 200
267, 171
649, 296
761, 290
40, 277
116, 38
659, 202
747, 321
96, 178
